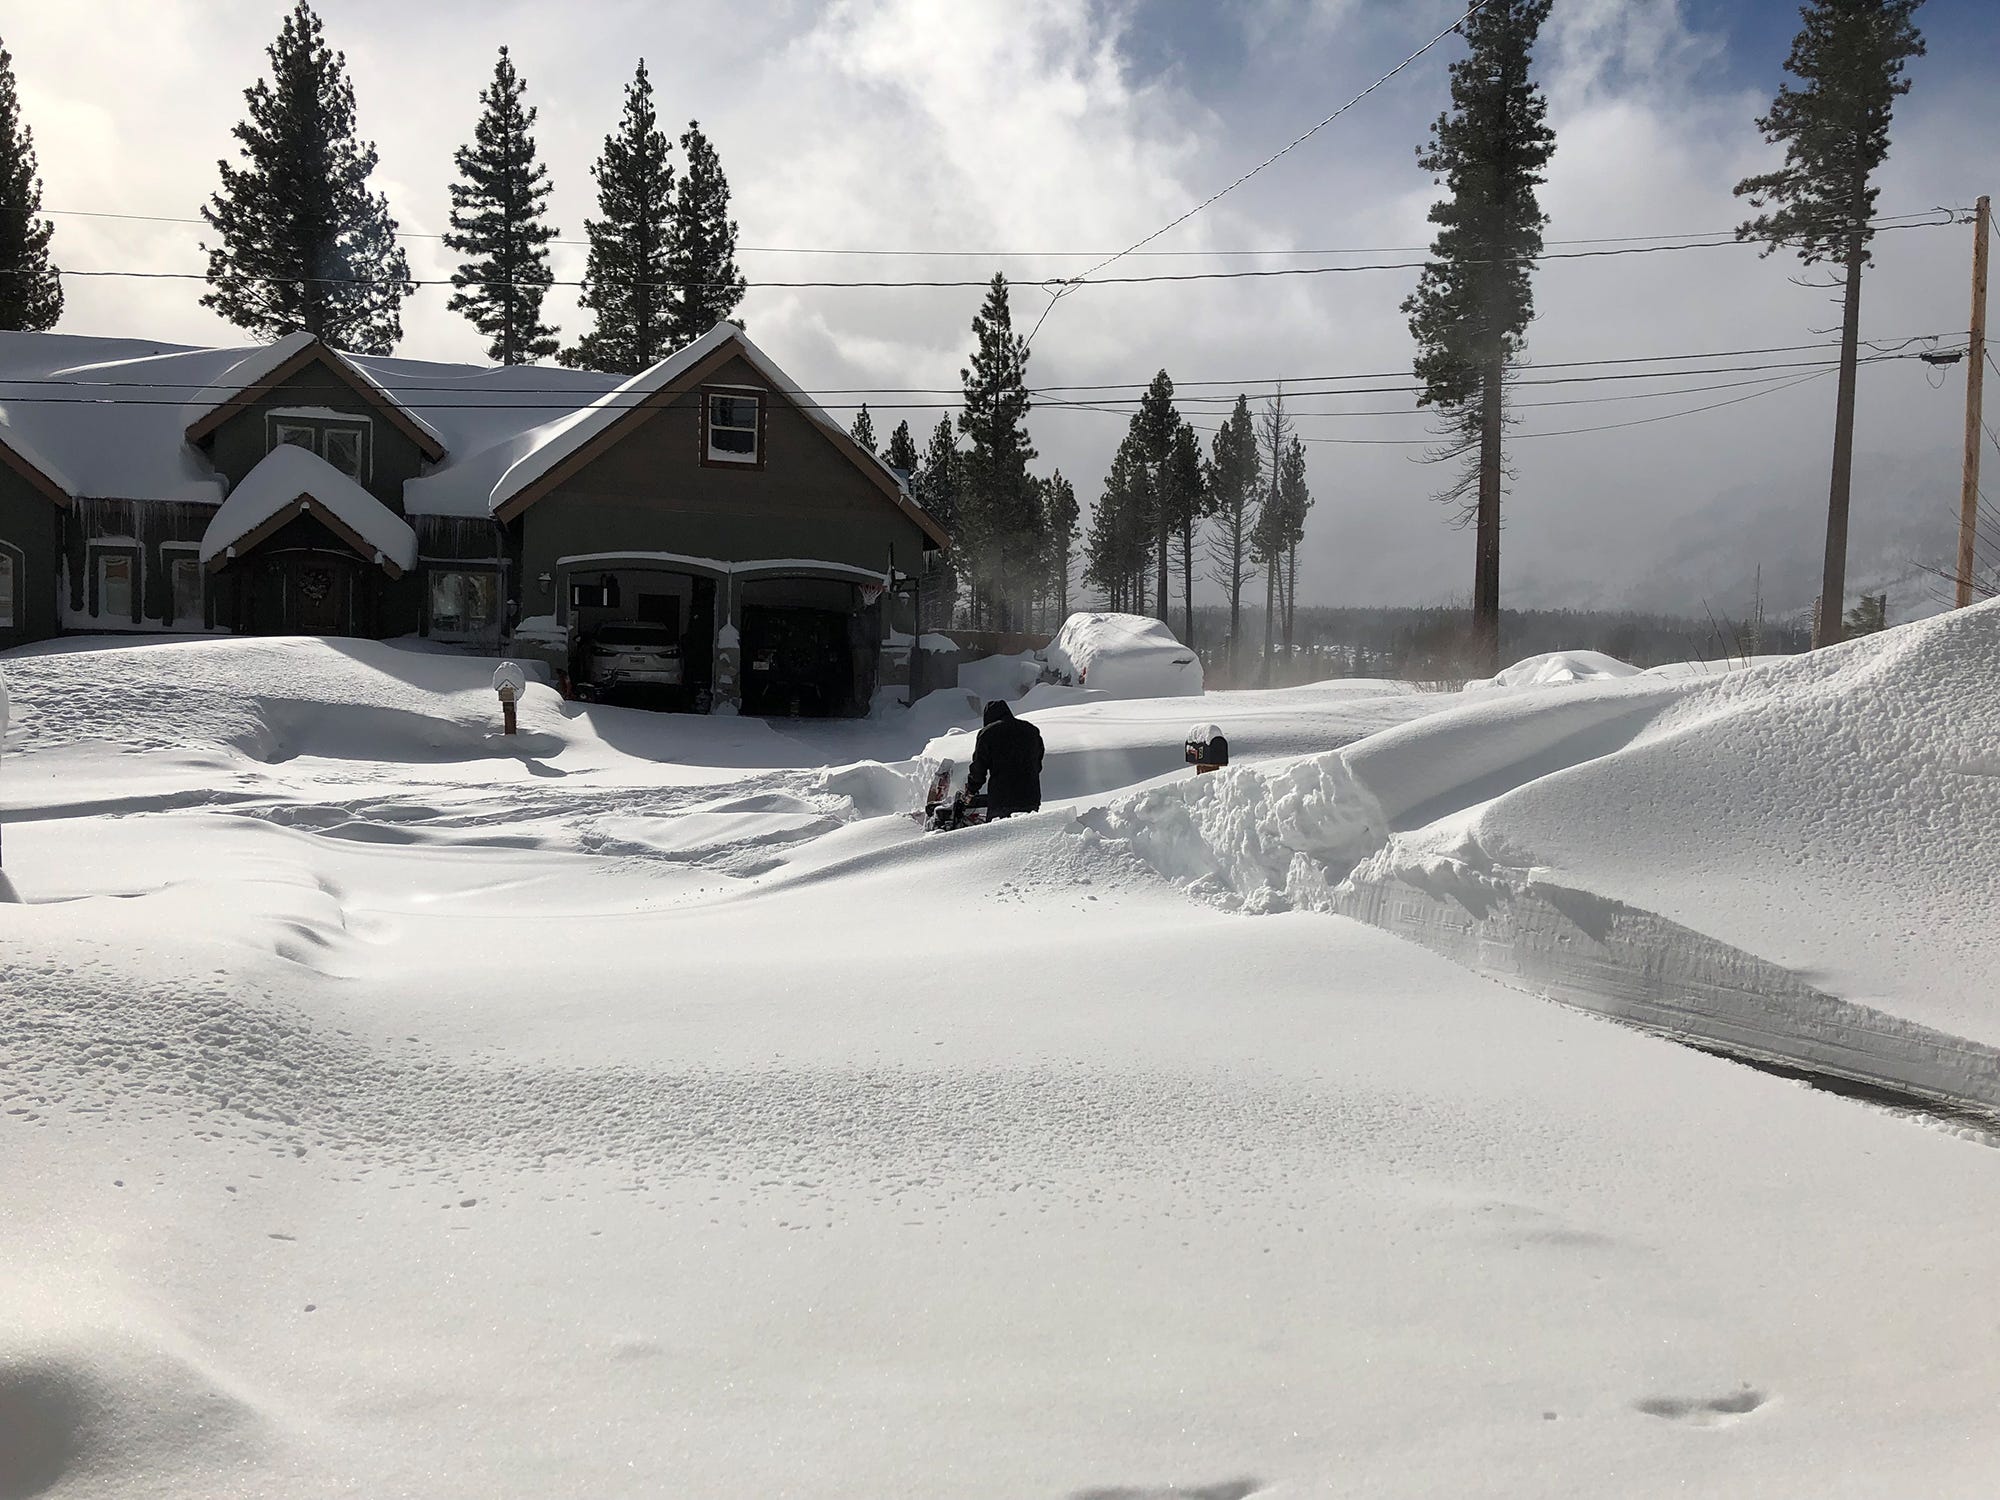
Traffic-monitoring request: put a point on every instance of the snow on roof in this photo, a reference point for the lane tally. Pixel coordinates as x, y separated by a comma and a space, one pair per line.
102, 416
284, 475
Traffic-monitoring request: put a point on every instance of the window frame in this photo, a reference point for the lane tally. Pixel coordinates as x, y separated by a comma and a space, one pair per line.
135, 582
710, 458
319, 429
436, 574
14, 565
177, 555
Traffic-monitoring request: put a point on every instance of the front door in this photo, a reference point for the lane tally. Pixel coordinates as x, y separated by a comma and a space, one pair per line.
320, 595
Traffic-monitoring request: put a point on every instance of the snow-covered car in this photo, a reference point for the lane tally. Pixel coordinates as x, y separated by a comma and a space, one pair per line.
631, 654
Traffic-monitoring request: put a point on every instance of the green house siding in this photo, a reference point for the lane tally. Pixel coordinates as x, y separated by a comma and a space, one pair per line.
31, 538
240, 443
650, 492
152, 534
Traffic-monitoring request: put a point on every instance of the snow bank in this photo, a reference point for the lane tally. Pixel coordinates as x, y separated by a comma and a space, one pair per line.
1000, 677
1553, 668
1127, 656
1252, 838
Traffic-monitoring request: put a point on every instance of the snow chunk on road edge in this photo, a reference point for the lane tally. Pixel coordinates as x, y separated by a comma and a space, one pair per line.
1255, 838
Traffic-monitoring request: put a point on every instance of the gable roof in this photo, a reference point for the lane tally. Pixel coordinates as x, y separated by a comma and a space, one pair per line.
562, 447
263, 369
289, 481
20, 456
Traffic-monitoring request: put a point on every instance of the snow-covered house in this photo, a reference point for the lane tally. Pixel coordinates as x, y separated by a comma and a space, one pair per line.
296, 489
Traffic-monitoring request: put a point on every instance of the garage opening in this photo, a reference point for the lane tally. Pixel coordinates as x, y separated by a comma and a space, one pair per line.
810, 648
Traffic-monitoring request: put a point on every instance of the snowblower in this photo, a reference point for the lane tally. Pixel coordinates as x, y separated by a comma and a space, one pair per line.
945, 809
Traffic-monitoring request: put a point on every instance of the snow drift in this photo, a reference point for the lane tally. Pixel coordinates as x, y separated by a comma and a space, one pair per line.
1795, 860
1127, 656
1554, 668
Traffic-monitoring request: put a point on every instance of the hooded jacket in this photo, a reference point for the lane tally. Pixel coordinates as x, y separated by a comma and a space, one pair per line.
1010, 752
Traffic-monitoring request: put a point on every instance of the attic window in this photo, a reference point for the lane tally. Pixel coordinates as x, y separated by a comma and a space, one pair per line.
344, 445
733, 427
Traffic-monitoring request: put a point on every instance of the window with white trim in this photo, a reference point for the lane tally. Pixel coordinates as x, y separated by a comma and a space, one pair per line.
734, 426
464, 603
8, 586
187, 592
114, 585
344, 445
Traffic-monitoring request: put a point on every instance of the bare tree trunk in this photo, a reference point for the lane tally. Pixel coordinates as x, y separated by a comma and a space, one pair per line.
1486, 559
1291, 597
1270, 615
1163, 538
1827, 629
1187, 584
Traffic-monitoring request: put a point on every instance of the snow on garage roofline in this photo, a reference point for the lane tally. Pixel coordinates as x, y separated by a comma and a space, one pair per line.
288, 475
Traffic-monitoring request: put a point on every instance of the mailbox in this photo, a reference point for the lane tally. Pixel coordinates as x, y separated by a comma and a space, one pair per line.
1207, 750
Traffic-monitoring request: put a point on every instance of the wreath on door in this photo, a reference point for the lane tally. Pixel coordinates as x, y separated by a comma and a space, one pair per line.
315, 584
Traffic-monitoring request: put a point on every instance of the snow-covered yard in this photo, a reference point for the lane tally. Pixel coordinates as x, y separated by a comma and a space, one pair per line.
645, 1107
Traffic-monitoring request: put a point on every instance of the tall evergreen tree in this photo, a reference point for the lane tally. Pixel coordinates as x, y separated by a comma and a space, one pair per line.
31, 293
1233, 474
702, 253
1297, 500
1059, 515
901, 454
863, 430
1272, 532
498, 225
1188, 501
1119, 548
626, 276
304, 244
1155, 423
938, 481
1475, 299
1849, 59
999, 502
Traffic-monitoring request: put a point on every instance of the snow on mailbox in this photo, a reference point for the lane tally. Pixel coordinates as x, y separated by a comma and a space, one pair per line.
510, 682
1207, 750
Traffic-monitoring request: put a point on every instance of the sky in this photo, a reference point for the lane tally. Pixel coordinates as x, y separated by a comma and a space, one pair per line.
1033, 136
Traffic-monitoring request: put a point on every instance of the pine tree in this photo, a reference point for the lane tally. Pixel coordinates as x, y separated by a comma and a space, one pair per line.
625, 278
304, 244
1155, 423
1059, 514
497, 221
1187, 500
863, 430
1119, 547
1296, 499
702, 254
1869, 616
31, 293
1835, 130
998, 504
937, 482
901, 454
1474, 300
1233, 474
1269, 537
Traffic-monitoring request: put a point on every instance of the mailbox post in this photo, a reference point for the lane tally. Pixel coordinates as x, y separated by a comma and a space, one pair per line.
510, 683
1207, 750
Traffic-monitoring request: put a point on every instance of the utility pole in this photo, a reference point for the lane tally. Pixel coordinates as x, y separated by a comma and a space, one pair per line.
1975, 399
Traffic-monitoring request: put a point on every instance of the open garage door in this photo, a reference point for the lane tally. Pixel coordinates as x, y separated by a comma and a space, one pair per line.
810, 648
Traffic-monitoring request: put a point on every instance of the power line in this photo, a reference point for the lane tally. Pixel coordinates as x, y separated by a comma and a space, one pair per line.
1885, 222
1300, 384
568, 402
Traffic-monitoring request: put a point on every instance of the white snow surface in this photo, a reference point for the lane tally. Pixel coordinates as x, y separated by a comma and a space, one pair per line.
280, 478
1554, 668
1127, 656
644, 1105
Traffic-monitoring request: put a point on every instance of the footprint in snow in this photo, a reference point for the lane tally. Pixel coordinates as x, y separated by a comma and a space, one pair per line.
1703, 1411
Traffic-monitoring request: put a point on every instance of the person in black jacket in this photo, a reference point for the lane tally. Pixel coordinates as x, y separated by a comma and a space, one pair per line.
1010, 752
